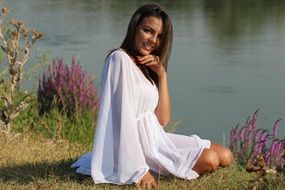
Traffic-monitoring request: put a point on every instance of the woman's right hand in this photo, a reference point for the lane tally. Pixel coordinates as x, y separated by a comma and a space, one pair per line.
153, 62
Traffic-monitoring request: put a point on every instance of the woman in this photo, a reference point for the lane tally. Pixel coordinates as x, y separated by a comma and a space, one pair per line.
135, 105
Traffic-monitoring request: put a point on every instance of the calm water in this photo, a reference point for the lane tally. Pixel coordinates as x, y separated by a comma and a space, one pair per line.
227, 59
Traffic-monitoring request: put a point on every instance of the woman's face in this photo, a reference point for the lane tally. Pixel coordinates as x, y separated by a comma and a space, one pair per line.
148, 35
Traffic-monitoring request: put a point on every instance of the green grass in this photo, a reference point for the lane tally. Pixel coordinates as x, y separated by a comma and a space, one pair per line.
41, 158
35, 162
54, 124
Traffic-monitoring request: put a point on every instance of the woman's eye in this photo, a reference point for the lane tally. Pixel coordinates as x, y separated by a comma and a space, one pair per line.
147, 30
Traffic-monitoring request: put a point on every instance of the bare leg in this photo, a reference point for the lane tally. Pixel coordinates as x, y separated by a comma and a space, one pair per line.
224, 154
207, 162
147, 182
210, 159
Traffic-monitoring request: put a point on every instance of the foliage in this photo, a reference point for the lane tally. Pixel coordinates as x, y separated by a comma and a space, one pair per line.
68, 89
16, 41
259, 149
55, 125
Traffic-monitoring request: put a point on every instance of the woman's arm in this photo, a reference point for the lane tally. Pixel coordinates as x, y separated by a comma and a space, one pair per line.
163, 109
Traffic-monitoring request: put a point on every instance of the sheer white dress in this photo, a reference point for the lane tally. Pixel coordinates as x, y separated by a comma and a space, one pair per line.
129, 141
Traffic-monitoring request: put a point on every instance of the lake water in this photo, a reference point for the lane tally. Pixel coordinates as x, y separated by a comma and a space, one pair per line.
227, 59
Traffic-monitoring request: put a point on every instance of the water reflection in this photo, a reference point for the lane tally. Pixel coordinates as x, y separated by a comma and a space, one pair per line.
232, 19
225, 20
219, 89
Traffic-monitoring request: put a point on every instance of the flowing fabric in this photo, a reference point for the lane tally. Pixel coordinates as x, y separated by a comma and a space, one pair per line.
129, 141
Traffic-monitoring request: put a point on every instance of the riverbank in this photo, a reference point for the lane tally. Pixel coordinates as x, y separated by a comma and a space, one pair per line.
35, 162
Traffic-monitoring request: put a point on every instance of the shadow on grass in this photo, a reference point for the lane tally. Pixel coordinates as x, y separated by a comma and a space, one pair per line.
60, 171
28, 172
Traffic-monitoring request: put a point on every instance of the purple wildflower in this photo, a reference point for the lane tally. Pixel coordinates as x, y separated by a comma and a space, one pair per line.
258, 139
67, 88
276, 128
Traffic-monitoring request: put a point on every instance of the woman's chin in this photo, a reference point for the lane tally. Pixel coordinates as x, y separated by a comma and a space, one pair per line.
145, 52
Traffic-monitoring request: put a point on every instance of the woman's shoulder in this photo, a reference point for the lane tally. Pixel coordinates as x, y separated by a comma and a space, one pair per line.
118, 54
118, 61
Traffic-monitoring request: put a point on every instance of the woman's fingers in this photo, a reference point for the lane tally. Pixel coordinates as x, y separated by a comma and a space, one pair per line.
153, 62
147, 185
148, 60
147, 182
154, 185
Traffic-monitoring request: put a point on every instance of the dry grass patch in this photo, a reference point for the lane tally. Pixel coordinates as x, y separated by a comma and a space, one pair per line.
34, 162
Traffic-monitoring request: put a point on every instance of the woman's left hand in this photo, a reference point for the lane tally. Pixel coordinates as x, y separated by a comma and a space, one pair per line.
153, 62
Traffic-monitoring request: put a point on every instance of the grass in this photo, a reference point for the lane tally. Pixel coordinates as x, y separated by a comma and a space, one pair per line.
36, 162
41, 158
55, 124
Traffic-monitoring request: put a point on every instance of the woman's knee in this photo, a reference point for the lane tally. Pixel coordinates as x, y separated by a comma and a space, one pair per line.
224, 154
207, 162
227, 158
212, 160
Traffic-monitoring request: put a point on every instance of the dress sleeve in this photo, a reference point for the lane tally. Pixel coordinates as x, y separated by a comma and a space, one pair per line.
117, 155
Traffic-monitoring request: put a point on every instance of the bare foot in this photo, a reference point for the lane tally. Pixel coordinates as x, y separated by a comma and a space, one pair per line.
147, 182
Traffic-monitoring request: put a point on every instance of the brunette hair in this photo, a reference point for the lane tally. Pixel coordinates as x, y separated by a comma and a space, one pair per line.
164, 49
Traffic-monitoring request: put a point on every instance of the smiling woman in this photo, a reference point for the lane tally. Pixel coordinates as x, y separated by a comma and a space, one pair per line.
130, 141
148, 35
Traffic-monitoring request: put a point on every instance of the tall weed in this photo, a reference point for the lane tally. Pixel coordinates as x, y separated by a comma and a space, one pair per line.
68, 89
259, 149
16, 42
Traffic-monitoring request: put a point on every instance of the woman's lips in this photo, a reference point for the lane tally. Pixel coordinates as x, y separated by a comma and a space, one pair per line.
148, 46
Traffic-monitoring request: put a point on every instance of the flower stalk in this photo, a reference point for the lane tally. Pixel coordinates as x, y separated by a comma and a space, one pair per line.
16, 43
266, 152
67, 88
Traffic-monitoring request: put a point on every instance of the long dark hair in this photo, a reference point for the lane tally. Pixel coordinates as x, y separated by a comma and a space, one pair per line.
164, 49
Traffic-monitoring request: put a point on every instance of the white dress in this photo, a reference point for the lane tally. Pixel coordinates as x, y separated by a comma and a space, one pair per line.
129, 141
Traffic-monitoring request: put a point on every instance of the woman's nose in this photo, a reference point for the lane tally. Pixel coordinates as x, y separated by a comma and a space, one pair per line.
153, 39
